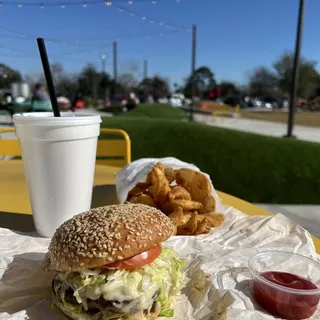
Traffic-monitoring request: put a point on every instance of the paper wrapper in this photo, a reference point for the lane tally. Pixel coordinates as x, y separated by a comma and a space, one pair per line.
218, 282
217, 263
137, 171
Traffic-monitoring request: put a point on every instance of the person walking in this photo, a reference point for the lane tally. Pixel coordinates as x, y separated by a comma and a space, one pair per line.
77, 102
40, 101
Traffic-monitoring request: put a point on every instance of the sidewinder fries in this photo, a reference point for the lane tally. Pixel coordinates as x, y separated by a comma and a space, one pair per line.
183, 195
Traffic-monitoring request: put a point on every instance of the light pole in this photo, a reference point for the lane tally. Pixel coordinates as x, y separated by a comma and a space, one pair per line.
295, 71
103, 58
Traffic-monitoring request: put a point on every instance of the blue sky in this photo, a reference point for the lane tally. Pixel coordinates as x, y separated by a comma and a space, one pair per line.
234, 36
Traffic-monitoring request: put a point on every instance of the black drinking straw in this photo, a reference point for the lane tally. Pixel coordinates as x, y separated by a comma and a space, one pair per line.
48, 75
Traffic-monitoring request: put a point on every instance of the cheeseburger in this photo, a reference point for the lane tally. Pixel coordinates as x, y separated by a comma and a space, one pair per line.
111, 265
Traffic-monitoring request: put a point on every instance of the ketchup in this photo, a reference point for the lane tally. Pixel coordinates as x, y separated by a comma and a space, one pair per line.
291, 306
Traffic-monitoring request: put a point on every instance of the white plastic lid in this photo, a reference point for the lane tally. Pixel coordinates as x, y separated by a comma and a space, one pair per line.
47, 118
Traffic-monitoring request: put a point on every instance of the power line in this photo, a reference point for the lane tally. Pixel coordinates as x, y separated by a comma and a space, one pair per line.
86, 49
78, 43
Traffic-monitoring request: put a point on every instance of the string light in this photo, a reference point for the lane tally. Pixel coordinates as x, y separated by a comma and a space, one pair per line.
108, 3
84, 42
53, 3
151, 20
85, 4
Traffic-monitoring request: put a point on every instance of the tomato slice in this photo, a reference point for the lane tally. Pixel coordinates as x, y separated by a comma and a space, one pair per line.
137, 261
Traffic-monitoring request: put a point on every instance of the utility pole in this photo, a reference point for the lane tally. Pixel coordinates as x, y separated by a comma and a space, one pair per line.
115, 61
193, 68
115, 67
295, 71
145, 69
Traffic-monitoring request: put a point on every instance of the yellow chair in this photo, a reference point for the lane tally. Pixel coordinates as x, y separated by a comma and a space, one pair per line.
112, 152
9, 147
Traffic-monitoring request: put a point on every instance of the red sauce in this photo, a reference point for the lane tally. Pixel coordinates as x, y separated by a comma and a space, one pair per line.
283, 304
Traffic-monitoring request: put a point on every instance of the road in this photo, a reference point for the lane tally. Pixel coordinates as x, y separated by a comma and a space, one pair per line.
267, 128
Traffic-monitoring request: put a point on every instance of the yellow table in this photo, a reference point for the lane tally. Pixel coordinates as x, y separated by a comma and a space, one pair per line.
16, 210
14, 196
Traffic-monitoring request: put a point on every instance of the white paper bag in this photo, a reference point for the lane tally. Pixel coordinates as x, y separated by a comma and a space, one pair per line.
137, 171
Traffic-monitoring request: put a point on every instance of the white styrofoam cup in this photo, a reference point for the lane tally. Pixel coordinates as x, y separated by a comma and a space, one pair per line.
59, 156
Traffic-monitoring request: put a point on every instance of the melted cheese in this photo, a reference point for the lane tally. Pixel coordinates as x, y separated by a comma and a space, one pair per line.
127, 296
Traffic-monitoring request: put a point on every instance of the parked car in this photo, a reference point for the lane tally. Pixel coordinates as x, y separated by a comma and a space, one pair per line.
163, 100
177, 100
64, 102
233, 101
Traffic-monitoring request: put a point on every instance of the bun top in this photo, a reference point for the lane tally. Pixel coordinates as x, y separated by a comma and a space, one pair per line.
105, 235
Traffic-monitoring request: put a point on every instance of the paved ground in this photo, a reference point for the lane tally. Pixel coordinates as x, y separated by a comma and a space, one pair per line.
306, 215
262, 127
5, 120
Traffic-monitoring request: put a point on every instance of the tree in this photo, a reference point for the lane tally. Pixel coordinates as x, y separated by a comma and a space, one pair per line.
156, 86
67, 85
128, 81
89, 81
263, 83
57, 71
8, 76
105, 85
228, 89
95, 84
176, 87
204, 81
309, 78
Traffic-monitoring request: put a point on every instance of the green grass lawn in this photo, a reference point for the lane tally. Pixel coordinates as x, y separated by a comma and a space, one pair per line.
253, 167
155, 111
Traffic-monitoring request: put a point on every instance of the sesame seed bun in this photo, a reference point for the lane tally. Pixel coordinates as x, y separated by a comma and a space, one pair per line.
105, 235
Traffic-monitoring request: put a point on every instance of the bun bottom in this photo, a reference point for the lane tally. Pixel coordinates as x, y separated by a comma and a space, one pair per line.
84, 316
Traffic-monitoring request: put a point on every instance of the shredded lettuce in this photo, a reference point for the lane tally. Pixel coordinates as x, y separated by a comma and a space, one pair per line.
169, 313
158, 281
